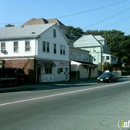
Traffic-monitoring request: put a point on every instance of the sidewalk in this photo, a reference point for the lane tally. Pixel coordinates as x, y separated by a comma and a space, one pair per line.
46, 85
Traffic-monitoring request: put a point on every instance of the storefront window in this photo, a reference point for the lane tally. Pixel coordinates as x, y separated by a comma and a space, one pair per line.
60, 70
48, 70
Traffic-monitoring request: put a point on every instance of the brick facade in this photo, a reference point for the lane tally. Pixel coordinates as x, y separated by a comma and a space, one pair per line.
28, 65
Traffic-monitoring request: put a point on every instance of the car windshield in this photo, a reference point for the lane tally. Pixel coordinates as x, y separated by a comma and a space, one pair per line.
106, 74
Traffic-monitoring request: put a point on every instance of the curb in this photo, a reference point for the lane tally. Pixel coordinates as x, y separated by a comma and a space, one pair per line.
33, 86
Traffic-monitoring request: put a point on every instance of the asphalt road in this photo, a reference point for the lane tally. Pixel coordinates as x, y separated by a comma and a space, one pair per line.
66, 106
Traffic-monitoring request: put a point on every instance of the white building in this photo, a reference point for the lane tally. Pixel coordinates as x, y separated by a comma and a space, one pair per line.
41, 50
81, 68
99, 51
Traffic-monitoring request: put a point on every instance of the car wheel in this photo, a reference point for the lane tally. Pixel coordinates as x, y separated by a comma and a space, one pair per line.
110, 80
116, 80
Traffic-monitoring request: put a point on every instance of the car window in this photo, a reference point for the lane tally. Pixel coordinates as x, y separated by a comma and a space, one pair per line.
106, 74
113, 73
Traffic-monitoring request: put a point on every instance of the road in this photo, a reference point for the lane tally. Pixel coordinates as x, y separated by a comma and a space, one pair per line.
66, 106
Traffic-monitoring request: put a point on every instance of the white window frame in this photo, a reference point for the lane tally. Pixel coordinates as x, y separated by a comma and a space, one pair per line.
107, 57
46, 47
27, 46
16, 47
3, 48
48, 70
62, 49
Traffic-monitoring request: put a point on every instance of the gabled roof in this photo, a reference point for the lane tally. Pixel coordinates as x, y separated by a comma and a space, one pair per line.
87, 41
99, 38
55, 21
34, 21
43, 21
23, 31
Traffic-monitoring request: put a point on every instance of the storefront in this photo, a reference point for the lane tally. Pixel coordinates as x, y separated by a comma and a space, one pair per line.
52, 71
83, 70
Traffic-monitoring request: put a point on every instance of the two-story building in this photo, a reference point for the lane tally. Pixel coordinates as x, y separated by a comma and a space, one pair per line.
81, 68
41, 50
99, 51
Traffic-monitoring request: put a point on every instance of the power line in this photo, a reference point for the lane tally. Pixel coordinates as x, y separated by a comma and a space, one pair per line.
116, 22
107, 18
79, 12
91, 9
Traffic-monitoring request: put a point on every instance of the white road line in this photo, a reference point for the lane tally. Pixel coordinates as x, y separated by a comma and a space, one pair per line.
60, 94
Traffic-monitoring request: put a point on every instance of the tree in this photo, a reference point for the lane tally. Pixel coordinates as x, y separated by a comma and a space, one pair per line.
118, 43
73, 33
106, 66
9, 25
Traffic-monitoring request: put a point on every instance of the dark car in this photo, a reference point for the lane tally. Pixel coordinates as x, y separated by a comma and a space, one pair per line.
12, 76
107, 77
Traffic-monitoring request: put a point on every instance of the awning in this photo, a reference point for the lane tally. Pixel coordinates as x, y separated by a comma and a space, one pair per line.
44, 63
86, 64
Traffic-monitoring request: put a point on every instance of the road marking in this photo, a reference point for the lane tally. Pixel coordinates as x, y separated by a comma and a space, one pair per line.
60, 94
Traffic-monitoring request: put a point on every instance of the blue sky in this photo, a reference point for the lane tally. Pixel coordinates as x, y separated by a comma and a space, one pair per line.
86, 14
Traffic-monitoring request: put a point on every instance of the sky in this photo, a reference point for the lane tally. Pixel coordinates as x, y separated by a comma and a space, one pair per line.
85, 14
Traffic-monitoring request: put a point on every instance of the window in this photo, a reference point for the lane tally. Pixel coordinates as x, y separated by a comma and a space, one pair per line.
62, 49
54, 48
2, 46
15, 46
46, 47
48, 70
54, 33
66, 69
60, 70
107, 57
27, 46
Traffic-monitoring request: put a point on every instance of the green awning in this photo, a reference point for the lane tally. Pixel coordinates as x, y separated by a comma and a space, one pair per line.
44, 63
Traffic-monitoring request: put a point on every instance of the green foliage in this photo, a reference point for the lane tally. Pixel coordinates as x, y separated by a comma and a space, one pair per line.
106, 66
73, 33
118, 43
100, 67
9, 25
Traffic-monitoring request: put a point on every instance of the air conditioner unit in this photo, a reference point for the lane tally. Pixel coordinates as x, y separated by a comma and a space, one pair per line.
3, 51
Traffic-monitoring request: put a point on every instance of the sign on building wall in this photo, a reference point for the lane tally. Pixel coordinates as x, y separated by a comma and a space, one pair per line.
62, 64
48, 79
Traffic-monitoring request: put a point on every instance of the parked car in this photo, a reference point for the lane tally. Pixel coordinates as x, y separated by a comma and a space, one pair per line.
12, 76
107, 76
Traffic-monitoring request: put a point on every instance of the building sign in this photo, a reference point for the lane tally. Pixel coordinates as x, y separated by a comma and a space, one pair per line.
62, 64
48, 79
